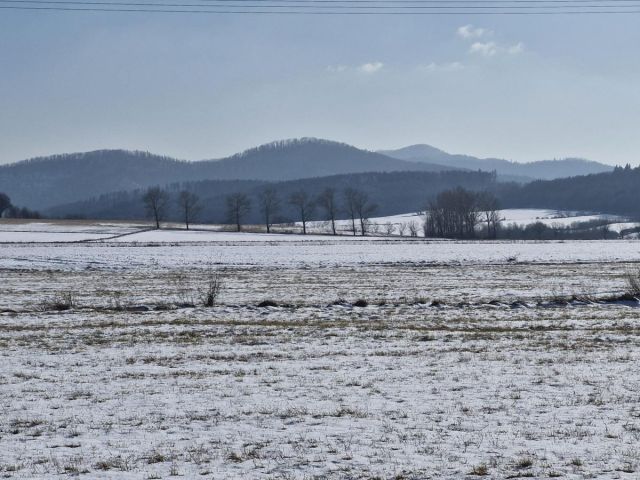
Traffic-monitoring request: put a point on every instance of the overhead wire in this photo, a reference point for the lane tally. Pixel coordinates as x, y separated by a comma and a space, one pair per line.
338, 7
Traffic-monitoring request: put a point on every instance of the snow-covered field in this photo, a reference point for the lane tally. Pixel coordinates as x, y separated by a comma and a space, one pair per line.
65, 231
24, 231
464, 358
402, 224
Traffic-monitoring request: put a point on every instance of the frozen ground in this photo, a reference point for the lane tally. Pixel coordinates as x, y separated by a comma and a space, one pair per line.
468, 359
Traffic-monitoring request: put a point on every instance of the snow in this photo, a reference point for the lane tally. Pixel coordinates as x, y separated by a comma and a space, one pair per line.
550, 217
22, 231
52, 231
312, 389
184, 236
510, 216
325, 252
621, 226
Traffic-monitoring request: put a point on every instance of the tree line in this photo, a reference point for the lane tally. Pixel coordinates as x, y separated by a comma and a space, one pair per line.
353, 202
616, 192
454, 213
392, 192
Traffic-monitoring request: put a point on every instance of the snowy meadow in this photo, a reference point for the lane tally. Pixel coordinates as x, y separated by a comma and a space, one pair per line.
319, 357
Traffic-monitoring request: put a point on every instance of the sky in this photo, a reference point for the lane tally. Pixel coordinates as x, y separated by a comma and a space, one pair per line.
204, 86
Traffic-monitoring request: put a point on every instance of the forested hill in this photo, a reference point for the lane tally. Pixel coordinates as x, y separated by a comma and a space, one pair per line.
616, 192
42, 183
393, 192
506, 169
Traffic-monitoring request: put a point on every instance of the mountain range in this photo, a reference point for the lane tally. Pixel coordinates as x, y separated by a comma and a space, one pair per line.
538, 170
46, 182
41, 183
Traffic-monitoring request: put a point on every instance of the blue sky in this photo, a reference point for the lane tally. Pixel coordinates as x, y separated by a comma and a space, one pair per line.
196, 87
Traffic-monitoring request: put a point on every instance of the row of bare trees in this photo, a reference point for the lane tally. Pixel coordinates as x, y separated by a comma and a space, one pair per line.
355, 203
453, 214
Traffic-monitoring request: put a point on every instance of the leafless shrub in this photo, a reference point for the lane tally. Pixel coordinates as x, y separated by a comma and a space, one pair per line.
124, 464
402, 229
61, 301
210, 291
156, 457
479, 470
115, 300
633, 283
524, 462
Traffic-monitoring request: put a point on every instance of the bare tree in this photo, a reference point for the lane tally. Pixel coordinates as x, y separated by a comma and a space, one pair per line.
490, 211
402, 229
270, 205
363, 209
327, 201
189, 206
350, 195
413, 228
305, 206
389, 228
156, 201
238, 206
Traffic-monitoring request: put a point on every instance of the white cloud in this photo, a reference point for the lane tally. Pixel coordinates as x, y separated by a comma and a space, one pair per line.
441, 67
371, 67
367, 68
469, 31
490, 49
516, 49
487, 49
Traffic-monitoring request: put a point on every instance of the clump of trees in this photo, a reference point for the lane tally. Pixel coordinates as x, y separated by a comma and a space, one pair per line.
457, 213
5, 202
8, 210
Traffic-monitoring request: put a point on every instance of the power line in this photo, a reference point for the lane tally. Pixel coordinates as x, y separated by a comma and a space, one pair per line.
399, 3
307, 6
324, 12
